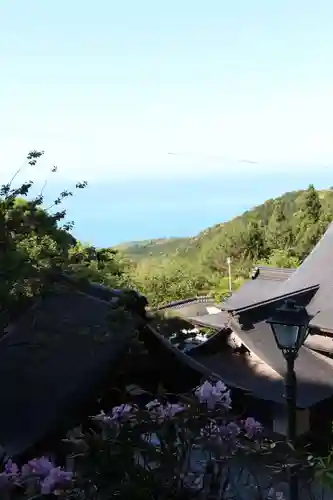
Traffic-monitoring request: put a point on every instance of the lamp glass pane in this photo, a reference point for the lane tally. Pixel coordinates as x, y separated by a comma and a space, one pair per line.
286, 335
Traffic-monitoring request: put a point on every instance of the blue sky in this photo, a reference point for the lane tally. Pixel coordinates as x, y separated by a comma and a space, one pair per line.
108, 88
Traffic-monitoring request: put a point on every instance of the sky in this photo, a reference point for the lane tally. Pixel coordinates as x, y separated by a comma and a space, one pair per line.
108, 88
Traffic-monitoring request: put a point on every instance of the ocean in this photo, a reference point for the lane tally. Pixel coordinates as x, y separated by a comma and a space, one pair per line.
113, 212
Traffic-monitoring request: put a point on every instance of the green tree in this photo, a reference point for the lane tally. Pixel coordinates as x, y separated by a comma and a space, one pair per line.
279, 232
255, 246
281, 258
35, 242
310, 205
310, 222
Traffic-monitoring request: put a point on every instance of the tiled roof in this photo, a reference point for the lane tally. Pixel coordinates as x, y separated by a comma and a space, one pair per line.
53, 362
236, 371
314, 372
216, 321
315, 273
196, 306
265, 285
317, 268
319, 343
274, 273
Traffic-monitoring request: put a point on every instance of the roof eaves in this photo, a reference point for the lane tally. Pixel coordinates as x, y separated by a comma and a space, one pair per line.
271, 300
183, 302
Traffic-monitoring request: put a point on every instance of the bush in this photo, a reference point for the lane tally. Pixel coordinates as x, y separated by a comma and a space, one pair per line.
190, 447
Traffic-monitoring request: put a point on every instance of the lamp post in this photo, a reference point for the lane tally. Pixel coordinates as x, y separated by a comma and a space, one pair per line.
229, 274
289, 324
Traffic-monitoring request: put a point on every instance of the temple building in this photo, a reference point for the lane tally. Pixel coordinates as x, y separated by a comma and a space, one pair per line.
244, 353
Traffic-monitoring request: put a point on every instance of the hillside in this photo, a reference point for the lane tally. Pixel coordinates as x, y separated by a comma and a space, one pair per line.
169, 247
280, 232
137, 250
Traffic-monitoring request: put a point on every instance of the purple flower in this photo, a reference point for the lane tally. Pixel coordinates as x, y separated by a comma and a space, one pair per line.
160, 412
275, 495
156, 410
38, 466
170, 410
214, 394
57, 479
103, 418
11, 468
122, 413
9, 476
233, 430
252, 427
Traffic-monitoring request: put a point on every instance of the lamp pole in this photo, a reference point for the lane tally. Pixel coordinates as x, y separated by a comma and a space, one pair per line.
291, 395
229, 274
290, 328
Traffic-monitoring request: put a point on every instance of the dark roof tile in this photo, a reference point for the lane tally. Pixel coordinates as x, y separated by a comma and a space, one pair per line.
236, 372
319, 343
52, 363
314, 372
265, 285
196, 306
315, 272
216, 321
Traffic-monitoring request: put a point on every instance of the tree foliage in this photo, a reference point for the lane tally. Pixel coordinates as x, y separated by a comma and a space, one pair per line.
35, 241
279, 233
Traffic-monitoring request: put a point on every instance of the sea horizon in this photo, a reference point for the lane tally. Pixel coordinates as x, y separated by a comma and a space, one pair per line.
110, 213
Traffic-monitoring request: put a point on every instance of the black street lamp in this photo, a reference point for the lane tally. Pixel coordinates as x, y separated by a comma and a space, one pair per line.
289, 324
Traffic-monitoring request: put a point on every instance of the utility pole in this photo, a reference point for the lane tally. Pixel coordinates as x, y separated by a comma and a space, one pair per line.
229, 274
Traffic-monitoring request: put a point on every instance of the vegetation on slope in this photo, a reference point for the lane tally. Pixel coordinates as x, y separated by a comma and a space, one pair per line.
35, 242
138, 250
280, 232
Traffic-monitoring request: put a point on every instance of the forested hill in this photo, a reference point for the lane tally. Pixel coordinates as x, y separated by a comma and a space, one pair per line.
280, 232
137, 250
167, 247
